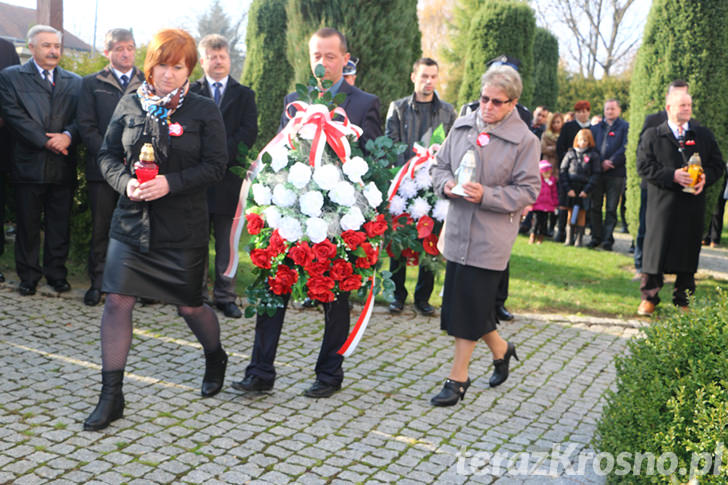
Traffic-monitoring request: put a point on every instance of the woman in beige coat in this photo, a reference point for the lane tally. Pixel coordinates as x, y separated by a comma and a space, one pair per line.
482, 225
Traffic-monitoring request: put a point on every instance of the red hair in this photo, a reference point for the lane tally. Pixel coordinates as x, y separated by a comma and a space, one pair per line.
170, 46
583, 104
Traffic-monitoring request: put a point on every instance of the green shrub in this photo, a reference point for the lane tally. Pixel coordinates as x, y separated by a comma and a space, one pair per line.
672, 396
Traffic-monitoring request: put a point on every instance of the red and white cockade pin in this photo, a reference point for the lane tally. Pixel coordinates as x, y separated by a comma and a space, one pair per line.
175, 129
483, 139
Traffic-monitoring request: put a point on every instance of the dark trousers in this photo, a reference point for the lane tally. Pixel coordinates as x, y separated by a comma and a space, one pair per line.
611, 188
716, 222
46, 207
540, 223
224, 287
502, 295
3, 197
640, 239
102, 199
651, 284
423, 288
328, 365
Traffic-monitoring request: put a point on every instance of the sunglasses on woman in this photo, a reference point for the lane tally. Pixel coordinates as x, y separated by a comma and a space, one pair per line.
496, 102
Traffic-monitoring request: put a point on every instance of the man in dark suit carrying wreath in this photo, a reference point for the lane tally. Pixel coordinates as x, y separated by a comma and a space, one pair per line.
240, 114
327, 47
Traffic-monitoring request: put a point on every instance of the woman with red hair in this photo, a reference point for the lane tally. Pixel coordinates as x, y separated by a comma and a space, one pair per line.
158, 237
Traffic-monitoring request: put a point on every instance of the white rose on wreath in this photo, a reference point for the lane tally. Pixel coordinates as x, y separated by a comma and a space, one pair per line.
373, 195
299, 175
418, 208
343, 193
326, 176
290, 229
283, 197
261, 194
407, 188
279, 157
355, 168
397, 205
311, 203
353, 220
440, 210
272, 216
316, 229
423, 180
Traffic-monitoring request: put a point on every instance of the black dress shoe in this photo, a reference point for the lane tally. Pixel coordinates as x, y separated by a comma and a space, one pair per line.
594, 243
229, 309
501, 366
92, 297
215, 365
503, 314
424, 308
253, 383
607, 246
321, 389
25, 288
452, 391
60, 286
396, 306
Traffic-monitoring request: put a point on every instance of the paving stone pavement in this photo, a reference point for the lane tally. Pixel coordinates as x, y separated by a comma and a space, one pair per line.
379, 428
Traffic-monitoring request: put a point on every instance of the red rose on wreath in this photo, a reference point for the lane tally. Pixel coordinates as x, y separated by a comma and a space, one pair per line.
425, 226
351, 283
319, 288
353, 239
401, 221
284, 280
341, 269
412, 257
277, 244
324, 250
255, 223
376, 227
301, 254
317, 268
389, 250
429, 244
261, 258
370, 258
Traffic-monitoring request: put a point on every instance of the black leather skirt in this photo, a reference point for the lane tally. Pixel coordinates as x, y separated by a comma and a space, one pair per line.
169, 275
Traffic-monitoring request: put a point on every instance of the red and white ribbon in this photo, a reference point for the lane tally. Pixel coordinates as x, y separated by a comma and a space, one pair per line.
423, 158
361, 323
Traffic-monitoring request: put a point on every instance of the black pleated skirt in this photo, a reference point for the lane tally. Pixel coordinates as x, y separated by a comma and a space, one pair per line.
468, 302
169, 275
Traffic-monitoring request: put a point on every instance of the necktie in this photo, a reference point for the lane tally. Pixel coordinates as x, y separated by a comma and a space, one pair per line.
217, 94
680, 136
47, 76
124, 82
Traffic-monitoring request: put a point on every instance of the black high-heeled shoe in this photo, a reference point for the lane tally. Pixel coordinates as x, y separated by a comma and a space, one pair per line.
500, 374
451, 393
111, 402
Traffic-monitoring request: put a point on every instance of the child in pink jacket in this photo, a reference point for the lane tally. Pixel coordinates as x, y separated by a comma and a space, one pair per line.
547, 201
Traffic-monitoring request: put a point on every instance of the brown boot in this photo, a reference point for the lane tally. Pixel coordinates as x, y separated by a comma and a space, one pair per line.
539, 239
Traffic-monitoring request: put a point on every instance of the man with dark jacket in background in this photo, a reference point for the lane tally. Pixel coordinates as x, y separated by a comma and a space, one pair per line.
240, 114
411, 120
38, 102
100, 93
8, 57
610, 137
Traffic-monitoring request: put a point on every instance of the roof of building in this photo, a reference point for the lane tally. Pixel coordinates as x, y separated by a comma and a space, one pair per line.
15, 22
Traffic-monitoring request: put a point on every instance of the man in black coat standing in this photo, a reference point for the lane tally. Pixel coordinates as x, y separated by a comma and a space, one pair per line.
327, 47
674, 217
8, 57
38, 102
240, 114
100, 93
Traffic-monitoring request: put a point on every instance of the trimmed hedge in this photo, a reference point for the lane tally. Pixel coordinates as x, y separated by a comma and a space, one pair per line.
672, 397
545, 69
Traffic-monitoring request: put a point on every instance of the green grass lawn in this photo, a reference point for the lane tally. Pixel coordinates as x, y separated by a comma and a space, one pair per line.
546, 278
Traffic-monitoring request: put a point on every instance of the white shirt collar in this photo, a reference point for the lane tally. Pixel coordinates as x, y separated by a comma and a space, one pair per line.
673, 127
40, 70
119, 73
223, 81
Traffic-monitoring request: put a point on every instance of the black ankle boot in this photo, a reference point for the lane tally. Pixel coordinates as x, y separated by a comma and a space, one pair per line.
215, 365
501, 366
111, 402
451, 393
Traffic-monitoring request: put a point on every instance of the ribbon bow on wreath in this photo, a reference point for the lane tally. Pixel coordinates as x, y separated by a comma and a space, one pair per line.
424, 157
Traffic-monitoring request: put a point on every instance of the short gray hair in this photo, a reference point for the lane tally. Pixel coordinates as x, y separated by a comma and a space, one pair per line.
213, 42
117, 35
503, 77
39, 29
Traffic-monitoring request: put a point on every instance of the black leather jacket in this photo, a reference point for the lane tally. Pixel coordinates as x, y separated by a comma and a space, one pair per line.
404, 120
193, 161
